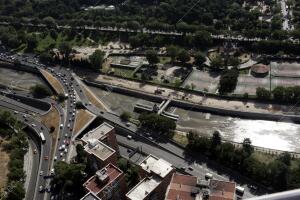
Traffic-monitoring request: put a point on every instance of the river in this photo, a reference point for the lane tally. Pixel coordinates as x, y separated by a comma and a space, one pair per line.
269, 134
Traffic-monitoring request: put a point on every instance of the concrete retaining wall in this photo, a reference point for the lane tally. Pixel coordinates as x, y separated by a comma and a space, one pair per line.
197, 107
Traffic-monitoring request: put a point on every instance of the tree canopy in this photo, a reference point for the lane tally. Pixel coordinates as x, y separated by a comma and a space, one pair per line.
96, 59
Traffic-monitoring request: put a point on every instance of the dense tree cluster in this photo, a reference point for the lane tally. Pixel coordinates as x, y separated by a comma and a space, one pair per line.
96, 59
277, 173
280, 94
161, 124
40, 91
228, 81
16, 146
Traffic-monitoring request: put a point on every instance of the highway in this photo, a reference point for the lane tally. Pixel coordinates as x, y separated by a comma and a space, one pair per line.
45, 148
160, 148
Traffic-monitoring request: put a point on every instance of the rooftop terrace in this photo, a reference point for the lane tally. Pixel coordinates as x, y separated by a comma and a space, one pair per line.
155, 165
98, 132
98, 149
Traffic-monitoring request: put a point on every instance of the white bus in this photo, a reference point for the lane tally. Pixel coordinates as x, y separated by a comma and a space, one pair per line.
42, 137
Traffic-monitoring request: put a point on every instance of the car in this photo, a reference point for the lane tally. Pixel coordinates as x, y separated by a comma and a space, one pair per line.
61, 126
64, 160
55, 158
127, 124
190, 168
68, 125
253, 187
129, 150
34, 151
61, 154
150, 138
129, 137
41, 188
46, 157
41, 173
33, 125
208, 176
66, 150
16, 112
52, 171
66, 135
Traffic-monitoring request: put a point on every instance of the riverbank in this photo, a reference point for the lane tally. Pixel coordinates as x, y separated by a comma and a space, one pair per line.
244, 109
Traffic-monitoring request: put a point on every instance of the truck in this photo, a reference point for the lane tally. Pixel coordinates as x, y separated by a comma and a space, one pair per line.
240, 190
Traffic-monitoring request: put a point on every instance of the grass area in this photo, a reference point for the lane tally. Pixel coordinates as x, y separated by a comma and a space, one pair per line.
263, 157
4, 157
82, 118
164, 59
180, 138
244, 71
127, 73
52, 119
48, 42
93, 99
53, 82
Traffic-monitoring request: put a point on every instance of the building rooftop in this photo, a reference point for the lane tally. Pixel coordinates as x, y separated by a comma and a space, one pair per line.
98, 132
182, 187
90, 196
155, 165
221, 190
144, 188
102, 179
98, 149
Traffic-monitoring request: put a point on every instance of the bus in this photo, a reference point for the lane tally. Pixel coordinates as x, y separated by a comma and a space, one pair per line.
42, 137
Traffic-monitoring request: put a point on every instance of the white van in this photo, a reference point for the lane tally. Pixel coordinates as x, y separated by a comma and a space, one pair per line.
240, 190
208, 176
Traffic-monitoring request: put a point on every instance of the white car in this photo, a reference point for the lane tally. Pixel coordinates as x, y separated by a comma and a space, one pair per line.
33, 125
41, 173
52, 171
66, 150
16, 112
129, 137
55, 158
41, 188
61, 154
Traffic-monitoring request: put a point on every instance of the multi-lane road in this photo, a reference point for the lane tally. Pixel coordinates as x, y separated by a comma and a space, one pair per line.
164, 149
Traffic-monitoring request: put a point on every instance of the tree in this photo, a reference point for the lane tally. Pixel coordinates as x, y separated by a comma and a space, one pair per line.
69, 177
53, 34
15, 191
46, 57
40, 91
217, 62
161, 124
202, 39
285, 158
228, 81
96, 59
65, 49
172, 52
278, 175
61, 97
125, 116
152, 57
279, 93
199, 58
183, 56
31, 42
79, 105
216, 139
263, 93
81, 154
247, 147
